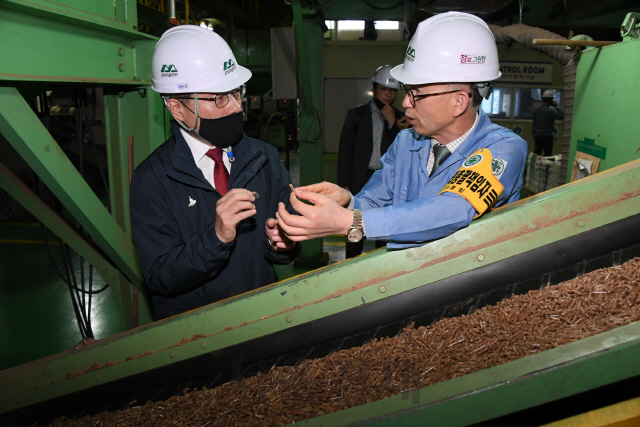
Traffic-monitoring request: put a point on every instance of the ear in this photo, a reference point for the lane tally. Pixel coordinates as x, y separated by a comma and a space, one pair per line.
462, 103
175, 108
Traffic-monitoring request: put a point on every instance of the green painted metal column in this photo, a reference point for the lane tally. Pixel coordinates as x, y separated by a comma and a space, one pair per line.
310, 41
124, 114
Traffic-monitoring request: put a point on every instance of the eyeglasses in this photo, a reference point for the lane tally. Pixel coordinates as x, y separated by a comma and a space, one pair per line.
412, 97
222, 99
388, 90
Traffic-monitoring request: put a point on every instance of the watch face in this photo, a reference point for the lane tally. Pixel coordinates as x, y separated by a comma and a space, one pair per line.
354, 235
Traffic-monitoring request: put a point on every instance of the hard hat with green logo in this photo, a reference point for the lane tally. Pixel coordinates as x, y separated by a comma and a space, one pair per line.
452, 47
191, 59
383, 77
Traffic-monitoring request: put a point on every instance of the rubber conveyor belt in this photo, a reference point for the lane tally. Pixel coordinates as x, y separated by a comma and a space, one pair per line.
548, 260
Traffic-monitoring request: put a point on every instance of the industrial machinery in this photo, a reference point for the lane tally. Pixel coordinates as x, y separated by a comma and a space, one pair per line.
541, 241
537, 242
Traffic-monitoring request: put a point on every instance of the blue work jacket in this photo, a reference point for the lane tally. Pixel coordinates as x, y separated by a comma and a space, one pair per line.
173, 213
400, 203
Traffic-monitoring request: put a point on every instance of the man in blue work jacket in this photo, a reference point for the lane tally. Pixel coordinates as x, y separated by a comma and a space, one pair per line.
201, 203
451, 167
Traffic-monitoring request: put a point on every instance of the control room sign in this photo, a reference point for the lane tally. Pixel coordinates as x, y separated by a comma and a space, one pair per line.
526, 72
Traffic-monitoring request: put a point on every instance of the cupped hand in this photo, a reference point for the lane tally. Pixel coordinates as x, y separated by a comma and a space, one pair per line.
279, 241
323, 217
232, 208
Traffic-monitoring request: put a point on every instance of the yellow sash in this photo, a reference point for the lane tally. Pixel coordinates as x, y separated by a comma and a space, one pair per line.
475, 182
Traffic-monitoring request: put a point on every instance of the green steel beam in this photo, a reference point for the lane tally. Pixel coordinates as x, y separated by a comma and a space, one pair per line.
508, 231
118, 17
51, 42
310, 42
514, 386
34, 204
21, 127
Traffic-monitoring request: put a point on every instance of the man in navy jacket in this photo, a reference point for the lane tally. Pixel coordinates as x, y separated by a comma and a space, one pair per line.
201, 203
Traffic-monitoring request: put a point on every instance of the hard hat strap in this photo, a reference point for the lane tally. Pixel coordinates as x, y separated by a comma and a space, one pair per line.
192, 131
485, 89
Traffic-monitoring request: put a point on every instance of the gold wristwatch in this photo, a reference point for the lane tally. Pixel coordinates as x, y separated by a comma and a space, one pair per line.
355, 233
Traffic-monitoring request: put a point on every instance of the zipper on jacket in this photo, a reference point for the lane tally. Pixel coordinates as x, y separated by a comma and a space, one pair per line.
258, 154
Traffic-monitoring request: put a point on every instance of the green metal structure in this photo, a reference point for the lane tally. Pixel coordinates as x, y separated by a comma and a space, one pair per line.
74, 43
605, 78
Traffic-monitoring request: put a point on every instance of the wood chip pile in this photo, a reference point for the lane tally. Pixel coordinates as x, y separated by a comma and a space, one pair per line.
514, 328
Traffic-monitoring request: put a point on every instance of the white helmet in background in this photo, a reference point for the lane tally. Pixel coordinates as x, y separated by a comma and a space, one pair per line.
191, 59
452, 47
548, 94
383, 77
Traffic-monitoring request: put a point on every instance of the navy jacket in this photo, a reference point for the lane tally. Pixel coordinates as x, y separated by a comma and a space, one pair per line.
173, 211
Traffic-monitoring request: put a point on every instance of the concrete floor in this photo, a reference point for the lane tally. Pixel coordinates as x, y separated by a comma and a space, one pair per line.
36, 312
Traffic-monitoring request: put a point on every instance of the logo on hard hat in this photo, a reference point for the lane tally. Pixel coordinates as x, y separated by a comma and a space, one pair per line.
411, 54
229, 66
473, 59
169, 70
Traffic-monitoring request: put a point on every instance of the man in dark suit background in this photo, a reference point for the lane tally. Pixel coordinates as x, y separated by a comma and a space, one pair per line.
367, 133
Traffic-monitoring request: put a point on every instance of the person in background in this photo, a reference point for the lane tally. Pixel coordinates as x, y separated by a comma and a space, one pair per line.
201, 203
543, 119
451, 167
367, 133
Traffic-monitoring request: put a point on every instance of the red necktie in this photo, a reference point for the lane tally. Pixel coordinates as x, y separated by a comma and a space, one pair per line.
220, 173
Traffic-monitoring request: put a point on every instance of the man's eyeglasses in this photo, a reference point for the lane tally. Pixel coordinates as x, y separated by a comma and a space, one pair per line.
388, 90
222, 99
412, 97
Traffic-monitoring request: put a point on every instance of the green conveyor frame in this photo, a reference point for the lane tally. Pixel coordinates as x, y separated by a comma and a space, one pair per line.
379, 279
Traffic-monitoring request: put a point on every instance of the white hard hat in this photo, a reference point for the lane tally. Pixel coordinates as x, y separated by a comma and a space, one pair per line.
452, 47
383, 77
191, 59
547, 94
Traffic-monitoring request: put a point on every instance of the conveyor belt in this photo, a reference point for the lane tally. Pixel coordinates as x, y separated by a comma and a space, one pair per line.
551, 264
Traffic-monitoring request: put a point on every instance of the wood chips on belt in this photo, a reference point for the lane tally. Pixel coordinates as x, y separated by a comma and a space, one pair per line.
514, 328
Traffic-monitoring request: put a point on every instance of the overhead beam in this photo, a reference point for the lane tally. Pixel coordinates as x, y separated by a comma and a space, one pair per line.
44, 43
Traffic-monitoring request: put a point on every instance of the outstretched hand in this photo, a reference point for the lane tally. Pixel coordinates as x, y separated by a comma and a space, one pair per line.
334, 192
323, 217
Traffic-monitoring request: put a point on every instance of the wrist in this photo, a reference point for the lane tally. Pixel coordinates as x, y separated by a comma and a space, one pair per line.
356, 232
346, 221
346, 201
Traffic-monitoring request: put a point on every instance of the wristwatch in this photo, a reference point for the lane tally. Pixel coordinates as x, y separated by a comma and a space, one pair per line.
355, 233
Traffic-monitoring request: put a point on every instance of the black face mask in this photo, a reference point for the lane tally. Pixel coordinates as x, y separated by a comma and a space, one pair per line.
223, 132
